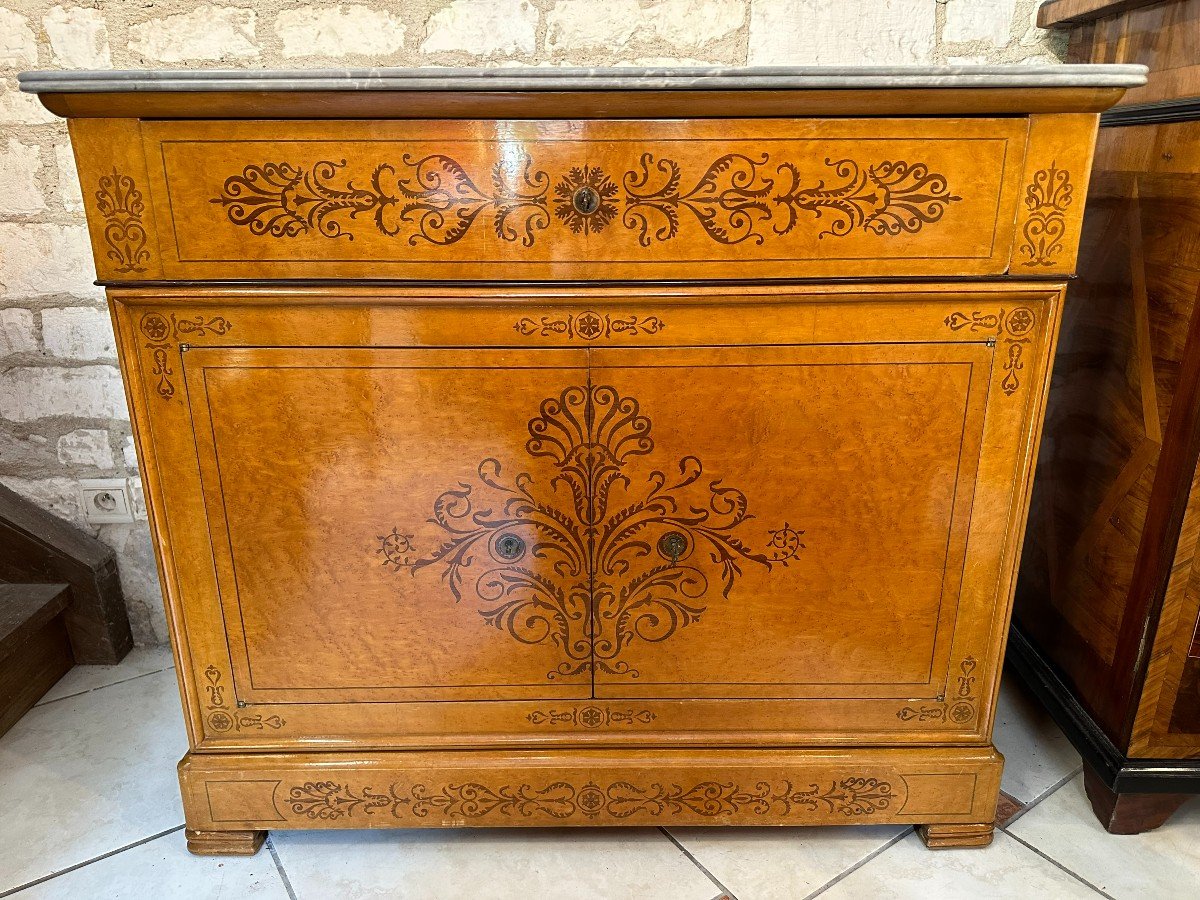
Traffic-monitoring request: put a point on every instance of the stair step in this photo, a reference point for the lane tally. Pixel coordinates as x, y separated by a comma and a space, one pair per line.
34, 649
25, 608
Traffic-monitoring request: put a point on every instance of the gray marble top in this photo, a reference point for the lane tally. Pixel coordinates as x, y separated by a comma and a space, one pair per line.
788, 78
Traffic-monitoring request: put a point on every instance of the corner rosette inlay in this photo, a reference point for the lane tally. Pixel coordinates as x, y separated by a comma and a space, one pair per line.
1014, 327
165, 338
958, 708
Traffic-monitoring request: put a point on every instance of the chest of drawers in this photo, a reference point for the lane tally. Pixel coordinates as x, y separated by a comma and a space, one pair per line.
538, 448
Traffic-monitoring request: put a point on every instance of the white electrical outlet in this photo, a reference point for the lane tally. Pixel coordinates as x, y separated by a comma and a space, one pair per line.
106, 500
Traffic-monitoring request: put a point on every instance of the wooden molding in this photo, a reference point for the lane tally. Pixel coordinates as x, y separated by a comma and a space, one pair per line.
1061, 13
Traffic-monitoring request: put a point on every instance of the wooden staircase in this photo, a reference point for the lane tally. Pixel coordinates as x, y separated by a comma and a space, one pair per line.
60, 604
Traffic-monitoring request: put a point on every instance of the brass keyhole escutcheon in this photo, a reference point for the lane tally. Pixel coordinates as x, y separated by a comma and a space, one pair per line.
510, 547
585, 200
672, 545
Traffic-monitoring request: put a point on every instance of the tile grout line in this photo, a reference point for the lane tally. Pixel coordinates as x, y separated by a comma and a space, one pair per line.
862, 862
88, 862
1061, 783
684, 850
287, 882
1054, 862
101, 687
1053, 789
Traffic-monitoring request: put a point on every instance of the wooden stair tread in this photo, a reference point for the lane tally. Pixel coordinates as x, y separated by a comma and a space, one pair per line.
38, 547
25, 608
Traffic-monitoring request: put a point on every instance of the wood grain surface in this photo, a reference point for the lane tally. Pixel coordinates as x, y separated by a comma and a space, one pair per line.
574, 463
1109, 587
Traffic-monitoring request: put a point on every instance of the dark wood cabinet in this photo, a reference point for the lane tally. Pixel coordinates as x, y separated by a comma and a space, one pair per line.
1108, 600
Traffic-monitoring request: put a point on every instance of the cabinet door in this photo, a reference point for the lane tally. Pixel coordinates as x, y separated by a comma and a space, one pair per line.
643, 525
315, 460
792, 521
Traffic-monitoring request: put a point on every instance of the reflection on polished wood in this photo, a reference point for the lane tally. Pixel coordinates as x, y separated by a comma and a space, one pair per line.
1109, 591
1161, 34
581, 477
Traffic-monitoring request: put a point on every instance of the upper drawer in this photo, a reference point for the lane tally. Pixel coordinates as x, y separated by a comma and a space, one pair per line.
528, 200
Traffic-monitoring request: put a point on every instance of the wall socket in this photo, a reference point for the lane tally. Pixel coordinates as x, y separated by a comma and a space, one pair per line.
106, 500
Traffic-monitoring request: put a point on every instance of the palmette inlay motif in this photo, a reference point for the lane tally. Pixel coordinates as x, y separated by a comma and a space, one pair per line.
1047, 199
432, 199
120, 203
590, 575
849, 797
214, 689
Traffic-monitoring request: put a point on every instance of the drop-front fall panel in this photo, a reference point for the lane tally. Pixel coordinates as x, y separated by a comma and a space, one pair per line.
525, 525
589, 526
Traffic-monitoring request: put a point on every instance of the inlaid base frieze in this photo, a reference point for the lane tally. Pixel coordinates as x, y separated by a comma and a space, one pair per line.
703, 787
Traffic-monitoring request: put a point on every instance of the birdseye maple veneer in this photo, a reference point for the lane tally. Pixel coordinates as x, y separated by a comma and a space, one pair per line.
586, 447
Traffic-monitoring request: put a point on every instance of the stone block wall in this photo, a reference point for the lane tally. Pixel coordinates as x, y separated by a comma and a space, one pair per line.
62, 410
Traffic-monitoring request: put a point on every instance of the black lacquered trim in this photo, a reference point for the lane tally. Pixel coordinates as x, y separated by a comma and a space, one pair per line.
1186, 109
1122, 774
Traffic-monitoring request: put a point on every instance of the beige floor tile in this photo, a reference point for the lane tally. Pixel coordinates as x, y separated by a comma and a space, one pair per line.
1005, 870
782, 863
162, 869
490, 864
88, 774
139, 661
1037, 755
1163, 864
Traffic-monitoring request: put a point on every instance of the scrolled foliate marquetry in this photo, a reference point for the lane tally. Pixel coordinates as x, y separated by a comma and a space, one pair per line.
848, 797
742, 198
593, 575
433, 199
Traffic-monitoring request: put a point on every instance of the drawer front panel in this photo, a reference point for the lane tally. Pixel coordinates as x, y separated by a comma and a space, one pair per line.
621, 516
554, 199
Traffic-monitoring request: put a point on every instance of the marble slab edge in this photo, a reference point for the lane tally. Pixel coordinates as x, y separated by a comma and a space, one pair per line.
781, 78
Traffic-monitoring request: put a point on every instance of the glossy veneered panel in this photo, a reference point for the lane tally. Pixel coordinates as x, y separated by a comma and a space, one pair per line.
331, 474
175, 337
795, 523
1165, 36
1102, 569
662, 199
